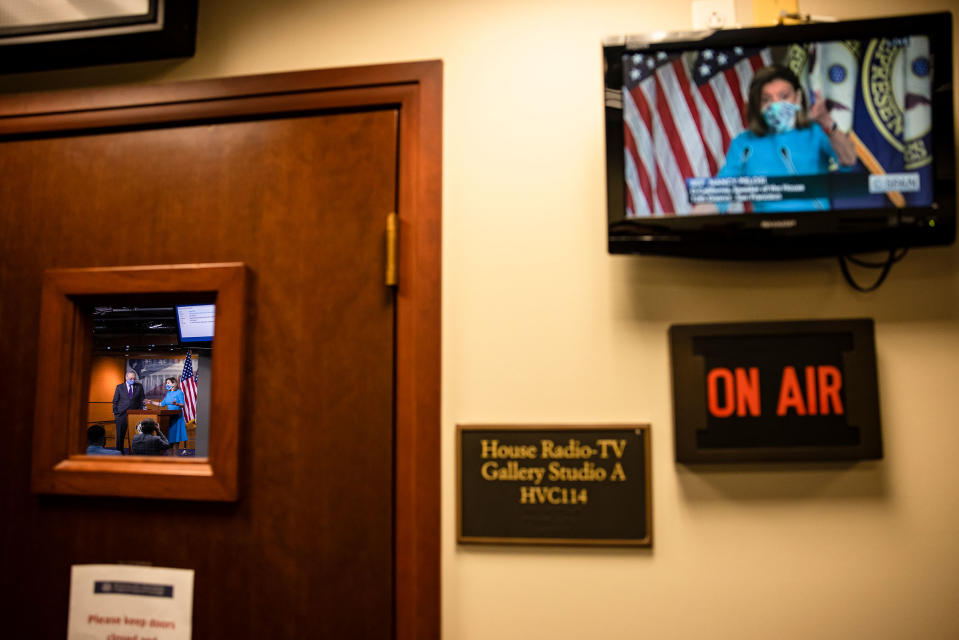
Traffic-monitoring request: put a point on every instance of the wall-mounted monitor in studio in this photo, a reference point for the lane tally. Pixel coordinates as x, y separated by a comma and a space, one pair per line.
195, 322
782, 142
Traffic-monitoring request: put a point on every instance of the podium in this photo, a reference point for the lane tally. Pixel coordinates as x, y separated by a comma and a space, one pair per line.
161, 416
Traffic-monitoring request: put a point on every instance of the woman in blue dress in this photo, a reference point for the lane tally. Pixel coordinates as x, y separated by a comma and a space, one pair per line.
783, 138
175, 401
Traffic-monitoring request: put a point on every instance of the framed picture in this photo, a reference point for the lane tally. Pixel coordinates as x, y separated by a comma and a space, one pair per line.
775, 391
70, 333
58, 34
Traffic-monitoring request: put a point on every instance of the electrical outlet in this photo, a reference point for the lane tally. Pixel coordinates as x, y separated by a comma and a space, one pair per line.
714, 14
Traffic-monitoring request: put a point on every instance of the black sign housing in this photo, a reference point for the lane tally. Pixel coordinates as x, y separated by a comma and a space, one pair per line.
775, 391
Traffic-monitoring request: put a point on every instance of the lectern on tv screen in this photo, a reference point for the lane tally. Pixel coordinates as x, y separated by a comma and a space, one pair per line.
782, 142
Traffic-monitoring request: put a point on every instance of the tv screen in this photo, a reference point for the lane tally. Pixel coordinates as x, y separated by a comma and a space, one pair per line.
195, 322
786, 141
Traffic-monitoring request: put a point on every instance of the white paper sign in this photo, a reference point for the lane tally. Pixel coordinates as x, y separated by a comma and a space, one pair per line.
127, 602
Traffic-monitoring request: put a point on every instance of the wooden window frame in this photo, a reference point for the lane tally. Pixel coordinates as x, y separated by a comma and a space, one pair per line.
63, 371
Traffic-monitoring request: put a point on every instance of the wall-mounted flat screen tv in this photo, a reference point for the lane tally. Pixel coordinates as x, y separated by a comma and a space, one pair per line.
195, 322
782, 142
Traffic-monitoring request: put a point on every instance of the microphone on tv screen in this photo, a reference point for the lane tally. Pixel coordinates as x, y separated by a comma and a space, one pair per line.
787, 158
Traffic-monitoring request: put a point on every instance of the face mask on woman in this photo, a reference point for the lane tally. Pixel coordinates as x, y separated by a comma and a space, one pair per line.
781, 116
169, 386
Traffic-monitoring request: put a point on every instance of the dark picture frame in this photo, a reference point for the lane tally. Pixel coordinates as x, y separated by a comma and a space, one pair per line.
63, 370
775, 391
166, 30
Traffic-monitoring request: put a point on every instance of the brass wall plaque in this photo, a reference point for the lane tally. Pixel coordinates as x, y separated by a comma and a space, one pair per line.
558, 484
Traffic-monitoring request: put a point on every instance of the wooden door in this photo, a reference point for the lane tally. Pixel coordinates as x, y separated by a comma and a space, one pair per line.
298, 188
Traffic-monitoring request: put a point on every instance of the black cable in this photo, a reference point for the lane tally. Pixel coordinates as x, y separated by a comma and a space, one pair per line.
885, 266
877, 265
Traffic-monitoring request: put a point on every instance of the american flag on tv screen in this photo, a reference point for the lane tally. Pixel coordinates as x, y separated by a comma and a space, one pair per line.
188, 382
681, 111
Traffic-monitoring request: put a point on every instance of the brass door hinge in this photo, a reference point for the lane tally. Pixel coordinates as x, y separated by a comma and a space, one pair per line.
392, 222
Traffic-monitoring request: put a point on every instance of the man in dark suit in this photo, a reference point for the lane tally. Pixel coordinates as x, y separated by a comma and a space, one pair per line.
128, 395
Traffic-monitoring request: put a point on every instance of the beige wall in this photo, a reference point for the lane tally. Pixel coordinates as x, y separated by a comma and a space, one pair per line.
540, 325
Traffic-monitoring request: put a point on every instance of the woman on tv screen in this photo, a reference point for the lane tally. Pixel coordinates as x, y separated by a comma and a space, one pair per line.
785, 138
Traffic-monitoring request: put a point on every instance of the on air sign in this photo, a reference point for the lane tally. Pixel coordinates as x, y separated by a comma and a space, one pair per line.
736, 391
775, 391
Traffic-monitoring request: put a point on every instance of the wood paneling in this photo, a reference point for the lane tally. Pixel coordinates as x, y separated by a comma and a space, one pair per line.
336, 531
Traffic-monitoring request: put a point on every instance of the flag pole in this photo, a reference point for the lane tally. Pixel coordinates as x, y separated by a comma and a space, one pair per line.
870, 162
